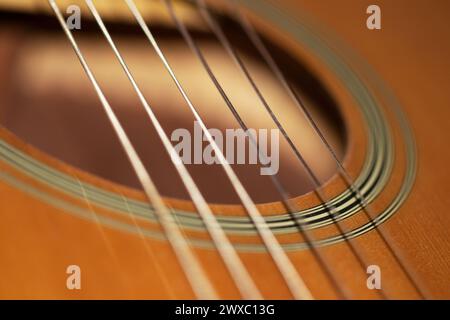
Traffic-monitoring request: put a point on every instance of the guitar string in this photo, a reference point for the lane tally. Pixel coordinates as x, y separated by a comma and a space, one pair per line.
292, 278
237, 270
355, 191
150, 251
108, 244
330, 209
286, 198
194, 272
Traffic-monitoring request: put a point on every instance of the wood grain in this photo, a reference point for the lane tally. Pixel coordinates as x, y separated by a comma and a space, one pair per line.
38, 241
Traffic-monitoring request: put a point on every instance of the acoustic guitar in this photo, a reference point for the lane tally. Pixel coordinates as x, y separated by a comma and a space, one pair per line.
226, 149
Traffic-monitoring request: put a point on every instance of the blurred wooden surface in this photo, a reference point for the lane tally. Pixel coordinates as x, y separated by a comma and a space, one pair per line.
410, 53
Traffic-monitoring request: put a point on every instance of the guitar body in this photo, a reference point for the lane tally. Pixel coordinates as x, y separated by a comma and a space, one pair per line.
389, 113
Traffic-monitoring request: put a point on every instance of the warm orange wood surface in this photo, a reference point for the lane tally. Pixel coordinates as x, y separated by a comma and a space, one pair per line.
38, 241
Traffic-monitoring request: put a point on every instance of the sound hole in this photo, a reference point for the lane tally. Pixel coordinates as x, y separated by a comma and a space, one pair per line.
47, 100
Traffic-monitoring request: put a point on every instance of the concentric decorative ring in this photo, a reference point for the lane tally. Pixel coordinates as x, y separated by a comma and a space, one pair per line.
371, 180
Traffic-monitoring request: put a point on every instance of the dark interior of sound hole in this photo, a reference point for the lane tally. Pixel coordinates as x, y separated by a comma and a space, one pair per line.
48, 102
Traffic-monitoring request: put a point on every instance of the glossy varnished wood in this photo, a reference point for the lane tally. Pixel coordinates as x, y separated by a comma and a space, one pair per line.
38, 241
